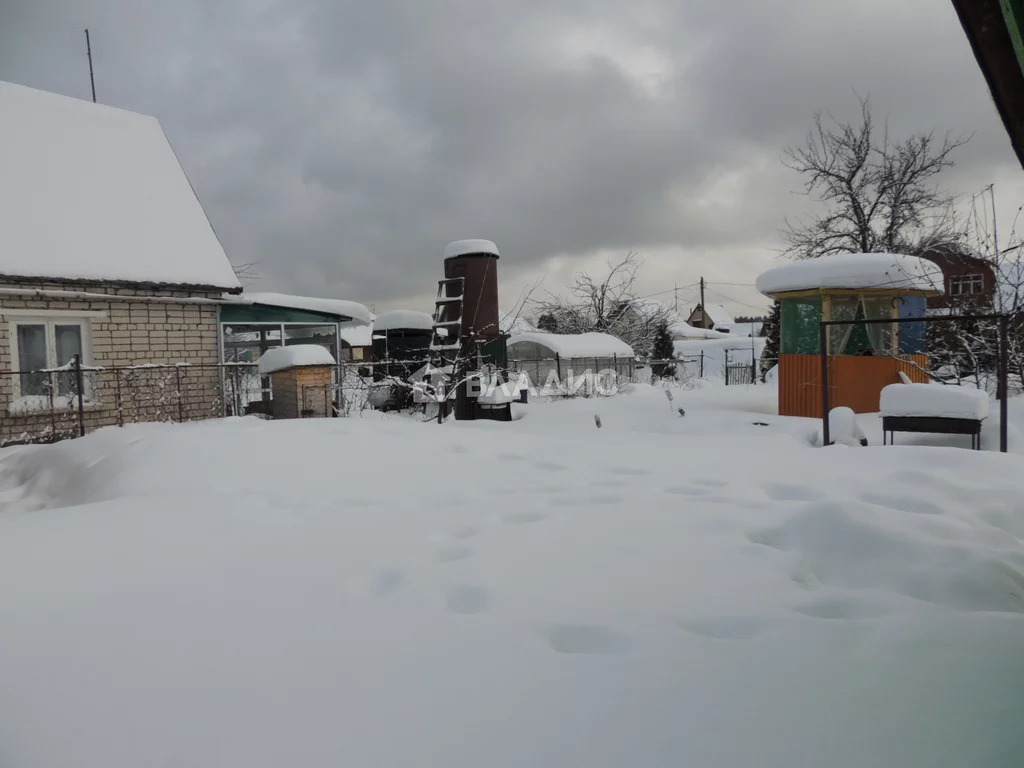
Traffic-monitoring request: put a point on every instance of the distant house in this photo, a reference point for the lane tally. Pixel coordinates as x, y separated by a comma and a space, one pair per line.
710, 317
105, 254
968, 281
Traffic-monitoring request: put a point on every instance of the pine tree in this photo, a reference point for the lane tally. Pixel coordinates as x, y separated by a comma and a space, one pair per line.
771, 330
664, 349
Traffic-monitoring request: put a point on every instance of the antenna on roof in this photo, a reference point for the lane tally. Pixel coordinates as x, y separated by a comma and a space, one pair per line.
92, 80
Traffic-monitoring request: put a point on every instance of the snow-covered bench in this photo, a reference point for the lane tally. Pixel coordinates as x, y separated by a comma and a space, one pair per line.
933, 408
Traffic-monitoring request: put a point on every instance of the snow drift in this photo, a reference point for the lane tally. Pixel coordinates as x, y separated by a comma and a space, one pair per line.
703, 591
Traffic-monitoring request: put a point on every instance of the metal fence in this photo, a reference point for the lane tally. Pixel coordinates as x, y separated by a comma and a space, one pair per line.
53, 404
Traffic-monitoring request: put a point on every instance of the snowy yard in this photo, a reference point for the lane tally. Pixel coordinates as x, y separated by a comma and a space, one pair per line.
663, 591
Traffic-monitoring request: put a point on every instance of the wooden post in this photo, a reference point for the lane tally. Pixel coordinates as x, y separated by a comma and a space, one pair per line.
826, 438
701, 364
81, 395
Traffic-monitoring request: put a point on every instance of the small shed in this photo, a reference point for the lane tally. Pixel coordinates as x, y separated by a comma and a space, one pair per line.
565, 355
302, 378
401, 342
862, 358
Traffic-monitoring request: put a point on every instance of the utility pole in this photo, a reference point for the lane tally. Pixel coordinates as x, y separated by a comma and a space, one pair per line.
995, 231
703, 309
677, 297
88, 52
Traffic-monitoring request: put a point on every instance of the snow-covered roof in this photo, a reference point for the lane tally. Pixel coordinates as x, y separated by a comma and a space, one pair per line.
279, 358
854, 271
463, 247
718, 314
681, 329
569, 345
93, 193
356, 334
339, 307
403, 319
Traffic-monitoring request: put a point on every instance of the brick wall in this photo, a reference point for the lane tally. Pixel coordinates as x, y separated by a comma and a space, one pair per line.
122, 331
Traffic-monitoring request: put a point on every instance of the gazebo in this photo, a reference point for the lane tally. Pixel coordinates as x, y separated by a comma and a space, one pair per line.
862, 357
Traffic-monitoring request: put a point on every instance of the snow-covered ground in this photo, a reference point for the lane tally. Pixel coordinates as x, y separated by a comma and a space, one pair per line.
707, 590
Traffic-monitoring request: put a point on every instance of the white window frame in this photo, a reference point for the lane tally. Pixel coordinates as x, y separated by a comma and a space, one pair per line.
958, 282
49, 319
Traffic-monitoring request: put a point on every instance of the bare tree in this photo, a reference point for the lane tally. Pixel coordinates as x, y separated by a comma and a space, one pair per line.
608, 304
879, 194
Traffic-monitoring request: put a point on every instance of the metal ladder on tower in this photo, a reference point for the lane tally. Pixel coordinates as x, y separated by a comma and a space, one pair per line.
445, 339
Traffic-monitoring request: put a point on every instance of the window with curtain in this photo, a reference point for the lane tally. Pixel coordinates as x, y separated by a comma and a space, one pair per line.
43, 344
860, 338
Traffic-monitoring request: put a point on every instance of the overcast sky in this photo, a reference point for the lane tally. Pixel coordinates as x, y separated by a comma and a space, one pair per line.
342, 144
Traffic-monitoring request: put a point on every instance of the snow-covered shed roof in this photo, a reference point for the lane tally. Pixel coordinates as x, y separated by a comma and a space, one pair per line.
406, 319
356, 334
718, 314
879, 271
339, 307
279, 358
464, 247
93, 193
569, 345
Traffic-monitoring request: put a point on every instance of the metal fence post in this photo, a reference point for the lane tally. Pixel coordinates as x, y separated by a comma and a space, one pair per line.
1004, 379
177, 385
701, 376
117, 398
823, 351
727, 367
79, 384
51, 388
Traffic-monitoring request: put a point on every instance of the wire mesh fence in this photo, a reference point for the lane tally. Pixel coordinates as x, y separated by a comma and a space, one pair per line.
47, 405
53, 404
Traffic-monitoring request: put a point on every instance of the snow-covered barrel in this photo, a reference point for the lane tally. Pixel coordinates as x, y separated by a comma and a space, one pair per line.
863, 357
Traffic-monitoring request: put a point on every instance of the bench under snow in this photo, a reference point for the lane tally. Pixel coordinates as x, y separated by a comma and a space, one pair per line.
933, 408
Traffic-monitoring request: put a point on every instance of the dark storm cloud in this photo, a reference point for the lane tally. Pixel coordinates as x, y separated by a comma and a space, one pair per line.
342, 144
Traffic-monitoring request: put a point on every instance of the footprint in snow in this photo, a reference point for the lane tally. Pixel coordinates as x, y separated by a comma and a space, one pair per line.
387, 581
737, 628
467, 599
524, 518
785, 492
454, 554
550, 466
587, 639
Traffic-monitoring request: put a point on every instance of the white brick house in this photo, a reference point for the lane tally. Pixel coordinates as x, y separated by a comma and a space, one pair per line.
105, 252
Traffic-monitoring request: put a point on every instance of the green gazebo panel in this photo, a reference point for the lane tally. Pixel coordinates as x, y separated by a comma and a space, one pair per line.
801, 324
253, 313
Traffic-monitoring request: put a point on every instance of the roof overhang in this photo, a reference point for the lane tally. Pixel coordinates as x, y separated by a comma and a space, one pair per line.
995, 29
